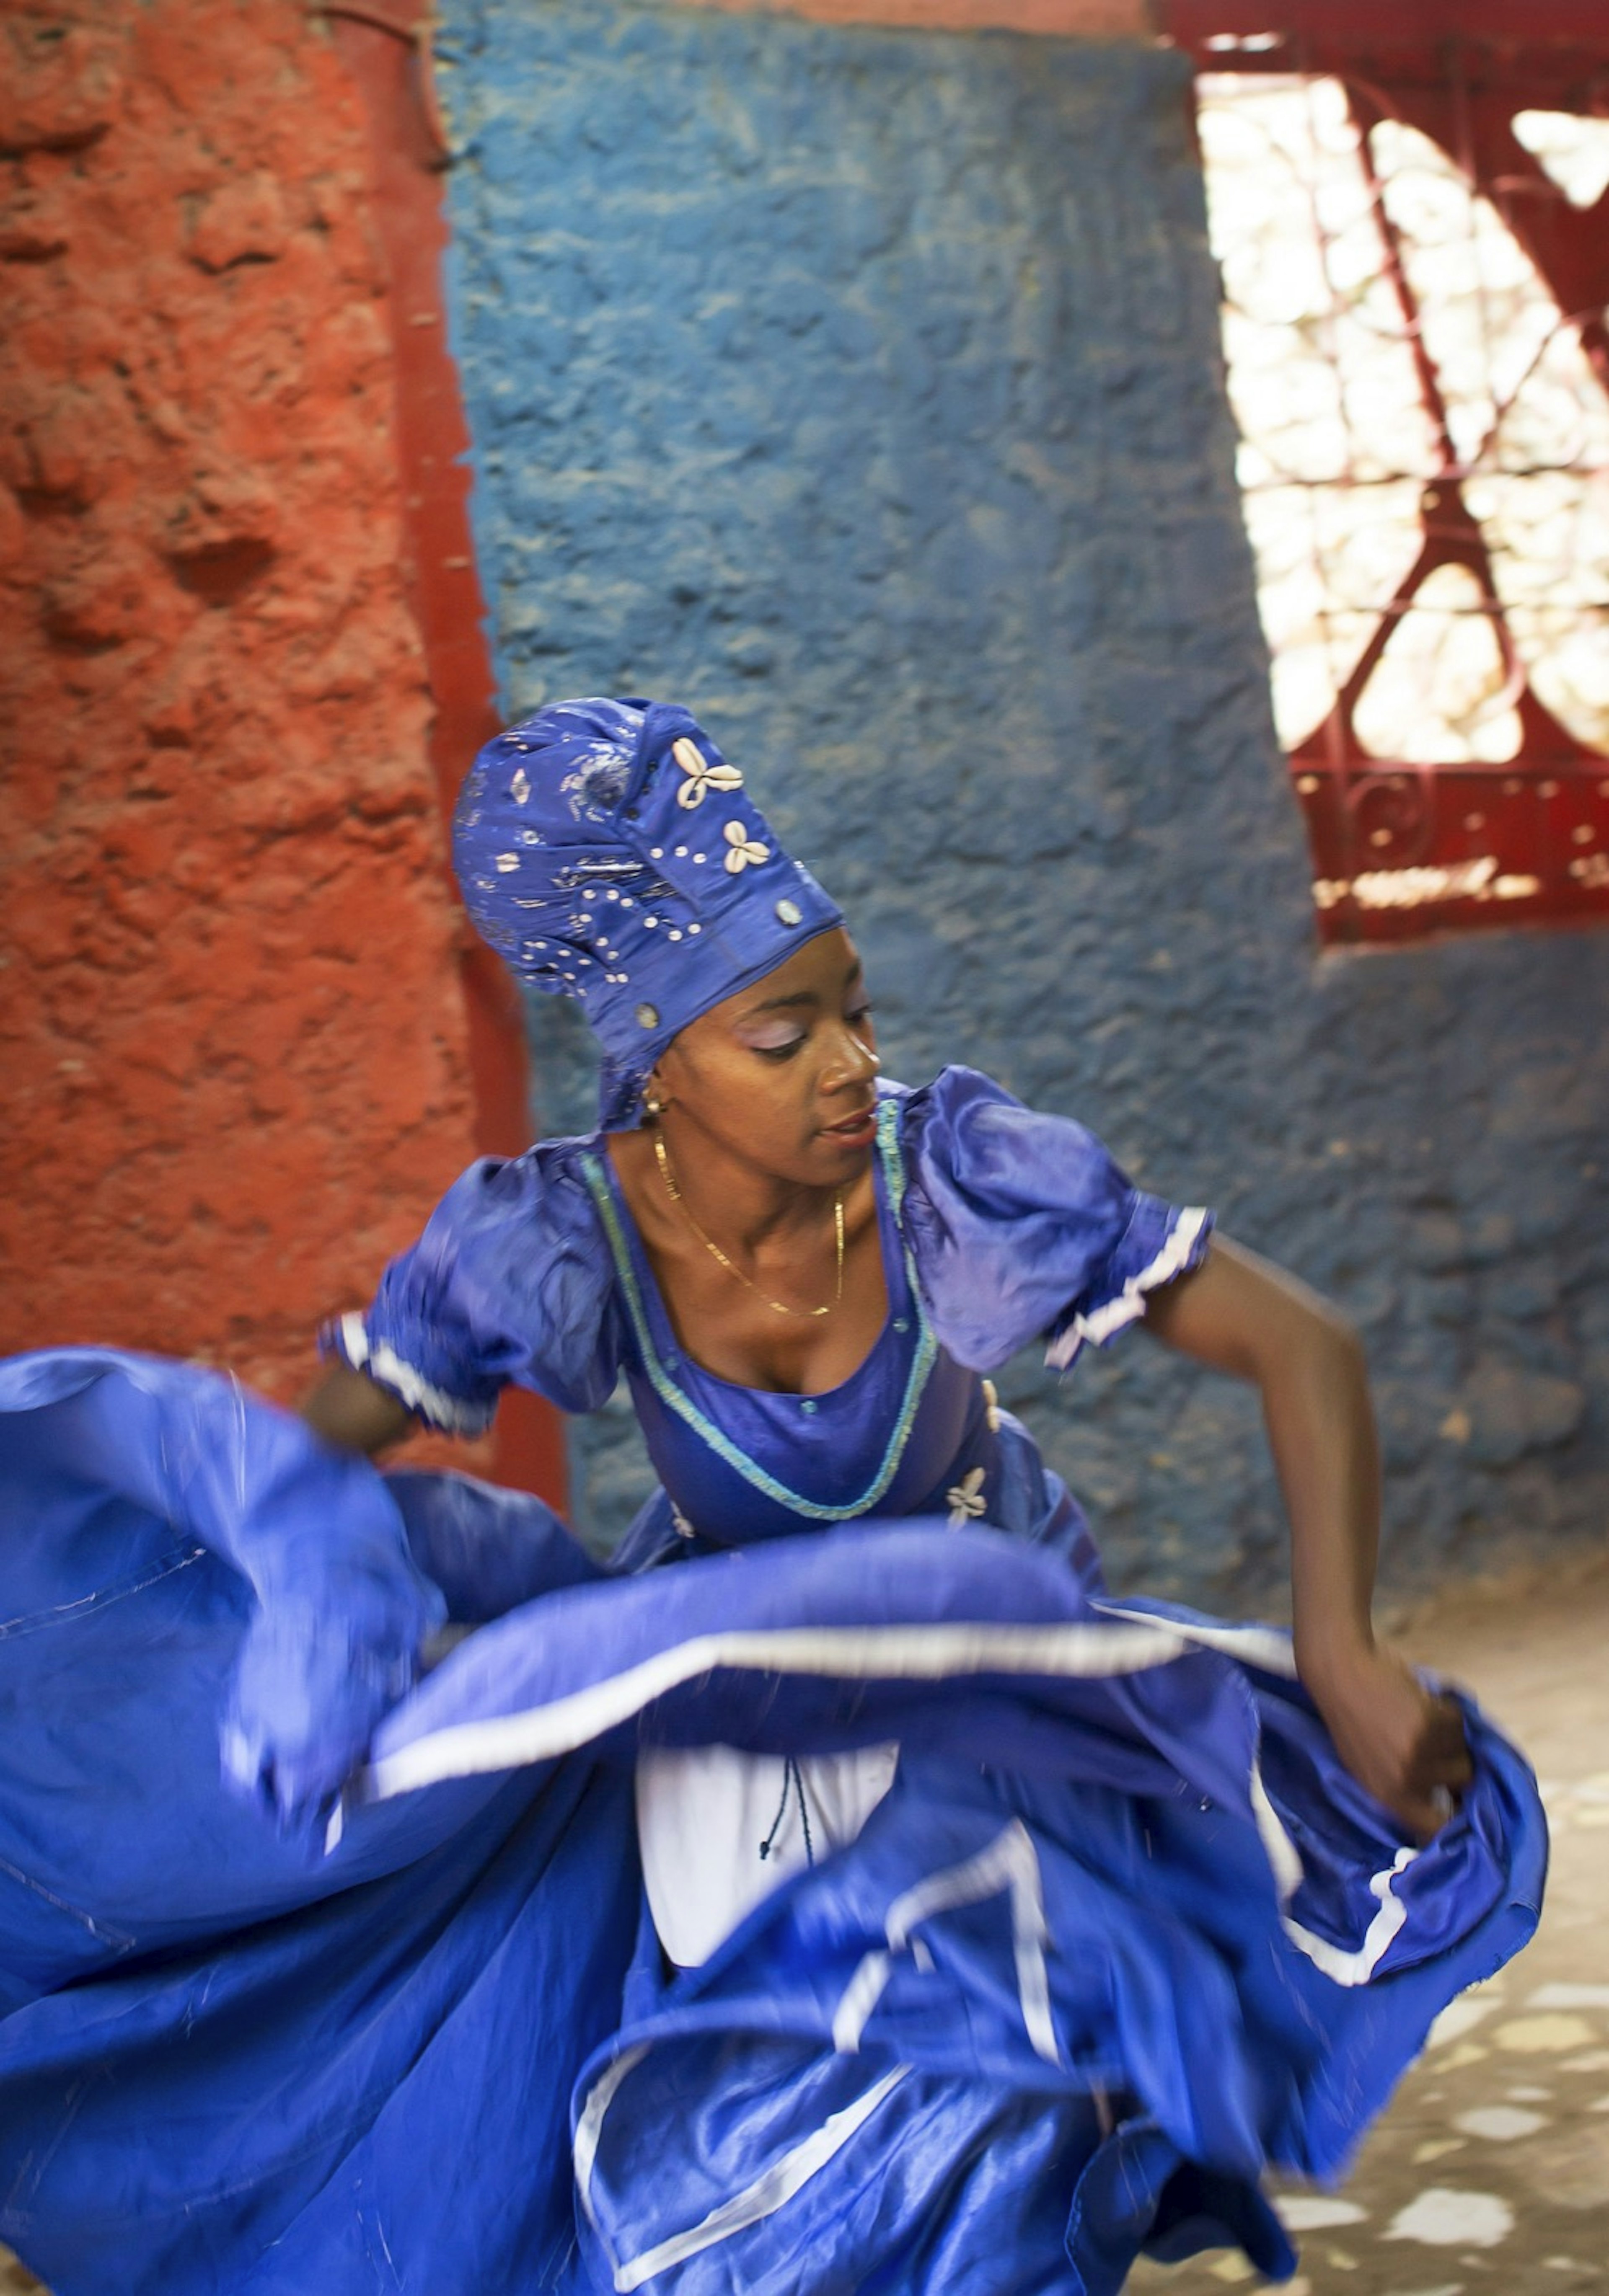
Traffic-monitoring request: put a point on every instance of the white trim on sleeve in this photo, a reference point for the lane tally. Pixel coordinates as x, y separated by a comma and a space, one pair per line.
1099, 1326
380, 1360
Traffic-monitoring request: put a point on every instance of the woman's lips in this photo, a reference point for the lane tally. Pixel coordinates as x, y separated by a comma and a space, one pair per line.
854, 1130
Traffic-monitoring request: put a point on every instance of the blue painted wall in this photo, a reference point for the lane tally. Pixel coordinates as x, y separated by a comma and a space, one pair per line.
862, 389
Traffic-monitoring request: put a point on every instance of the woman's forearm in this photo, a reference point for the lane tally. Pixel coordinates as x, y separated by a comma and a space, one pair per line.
1240, 1314
1321, 1431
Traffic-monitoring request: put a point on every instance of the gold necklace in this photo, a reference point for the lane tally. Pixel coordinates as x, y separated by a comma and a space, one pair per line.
710, 1246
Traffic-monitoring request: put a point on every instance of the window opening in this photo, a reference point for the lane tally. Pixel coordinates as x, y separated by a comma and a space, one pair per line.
1573, 154
1415, 254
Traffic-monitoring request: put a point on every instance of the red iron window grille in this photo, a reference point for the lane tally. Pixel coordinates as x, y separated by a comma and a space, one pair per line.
1412, 219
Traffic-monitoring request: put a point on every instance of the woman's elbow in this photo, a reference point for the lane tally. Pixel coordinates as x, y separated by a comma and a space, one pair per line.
1328, 1343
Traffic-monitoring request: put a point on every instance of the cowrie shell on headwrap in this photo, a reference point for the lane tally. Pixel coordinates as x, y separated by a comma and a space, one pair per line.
745, 851
702, 778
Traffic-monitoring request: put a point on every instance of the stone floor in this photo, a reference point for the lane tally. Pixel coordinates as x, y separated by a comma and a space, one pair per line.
1489, 2176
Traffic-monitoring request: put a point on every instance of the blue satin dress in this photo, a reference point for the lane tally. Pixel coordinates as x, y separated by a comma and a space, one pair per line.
376, 2001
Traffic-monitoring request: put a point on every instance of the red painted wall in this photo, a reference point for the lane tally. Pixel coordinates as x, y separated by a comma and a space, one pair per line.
234, 1073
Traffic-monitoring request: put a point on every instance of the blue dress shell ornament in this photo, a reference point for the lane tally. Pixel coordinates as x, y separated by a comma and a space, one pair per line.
840, 1892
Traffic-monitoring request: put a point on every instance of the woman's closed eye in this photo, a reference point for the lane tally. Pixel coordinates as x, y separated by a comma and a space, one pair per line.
778, 1045
782, 1038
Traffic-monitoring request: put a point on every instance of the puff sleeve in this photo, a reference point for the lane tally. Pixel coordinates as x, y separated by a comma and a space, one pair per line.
1023, 1227
509, 1283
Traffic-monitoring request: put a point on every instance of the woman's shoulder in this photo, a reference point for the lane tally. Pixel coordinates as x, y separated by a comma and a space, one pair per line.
547, 1184
526, 1231
510, 1280
1022, 1222
954, 1088
966, 1120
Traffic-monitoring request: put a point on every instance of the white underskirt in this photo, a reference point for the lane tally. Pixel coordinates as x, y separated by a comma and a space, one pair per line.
704, 1812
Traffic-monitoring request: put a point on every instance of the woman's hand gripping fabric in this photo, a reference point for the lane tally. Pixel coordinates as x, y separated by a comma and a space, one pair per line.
1399, 1740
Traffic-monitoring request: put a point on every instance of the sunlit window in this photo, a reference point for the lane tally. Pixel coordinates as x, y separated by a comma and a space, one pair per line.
1425, 461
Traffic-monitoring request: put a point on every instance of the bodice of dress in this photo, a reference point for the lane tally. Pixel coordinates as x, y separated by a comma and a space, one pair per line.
998, 1224
898, 1437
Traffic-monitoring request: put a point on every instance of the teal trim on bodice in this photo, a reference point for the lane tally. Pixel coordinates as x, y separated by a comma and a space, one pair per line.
676, 1400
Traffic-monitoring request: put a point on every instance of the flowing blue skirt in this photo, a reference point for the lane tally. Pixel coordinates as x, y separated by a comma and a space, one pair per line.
318, 1975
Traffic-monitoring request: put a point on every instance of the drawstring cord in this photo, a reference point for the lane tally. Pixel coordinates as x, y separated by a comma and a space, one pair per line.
792, 1781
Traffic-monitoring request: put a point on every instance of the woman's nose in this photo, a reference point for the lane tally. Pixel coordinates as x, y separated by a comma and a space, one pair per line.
853, 1063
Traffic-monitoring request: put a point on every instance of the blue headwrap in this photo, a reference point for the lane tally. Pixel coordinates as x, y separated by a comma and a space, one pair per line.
608, 852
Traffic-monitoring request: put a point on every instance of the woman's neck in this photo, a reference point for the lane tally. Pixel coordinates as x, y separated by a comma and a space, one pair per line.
782, 1235
747, 1206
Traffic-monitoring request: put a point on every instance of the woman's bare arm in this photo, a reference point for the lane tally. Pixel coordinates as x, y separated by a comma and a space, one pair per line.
350, 1410
1238, 1313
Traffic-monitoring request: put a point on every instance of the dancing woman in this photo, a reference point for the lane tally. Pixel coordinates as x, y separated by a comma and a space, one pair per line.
843, 1891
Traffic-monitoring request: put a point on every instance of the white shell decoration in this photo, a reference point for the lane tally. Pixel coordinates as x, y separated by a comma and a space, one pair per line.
965, 1500
744, 851
701, 778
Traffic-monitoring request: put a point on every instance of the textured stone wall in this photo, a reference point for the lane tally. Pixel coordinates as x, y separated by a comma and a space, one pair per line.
231, 1032
862, 389
1097, 19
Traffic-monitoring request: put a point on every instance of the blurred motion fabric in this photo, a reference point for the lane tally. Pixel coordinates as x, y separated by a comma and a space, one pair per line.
1066, 1989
